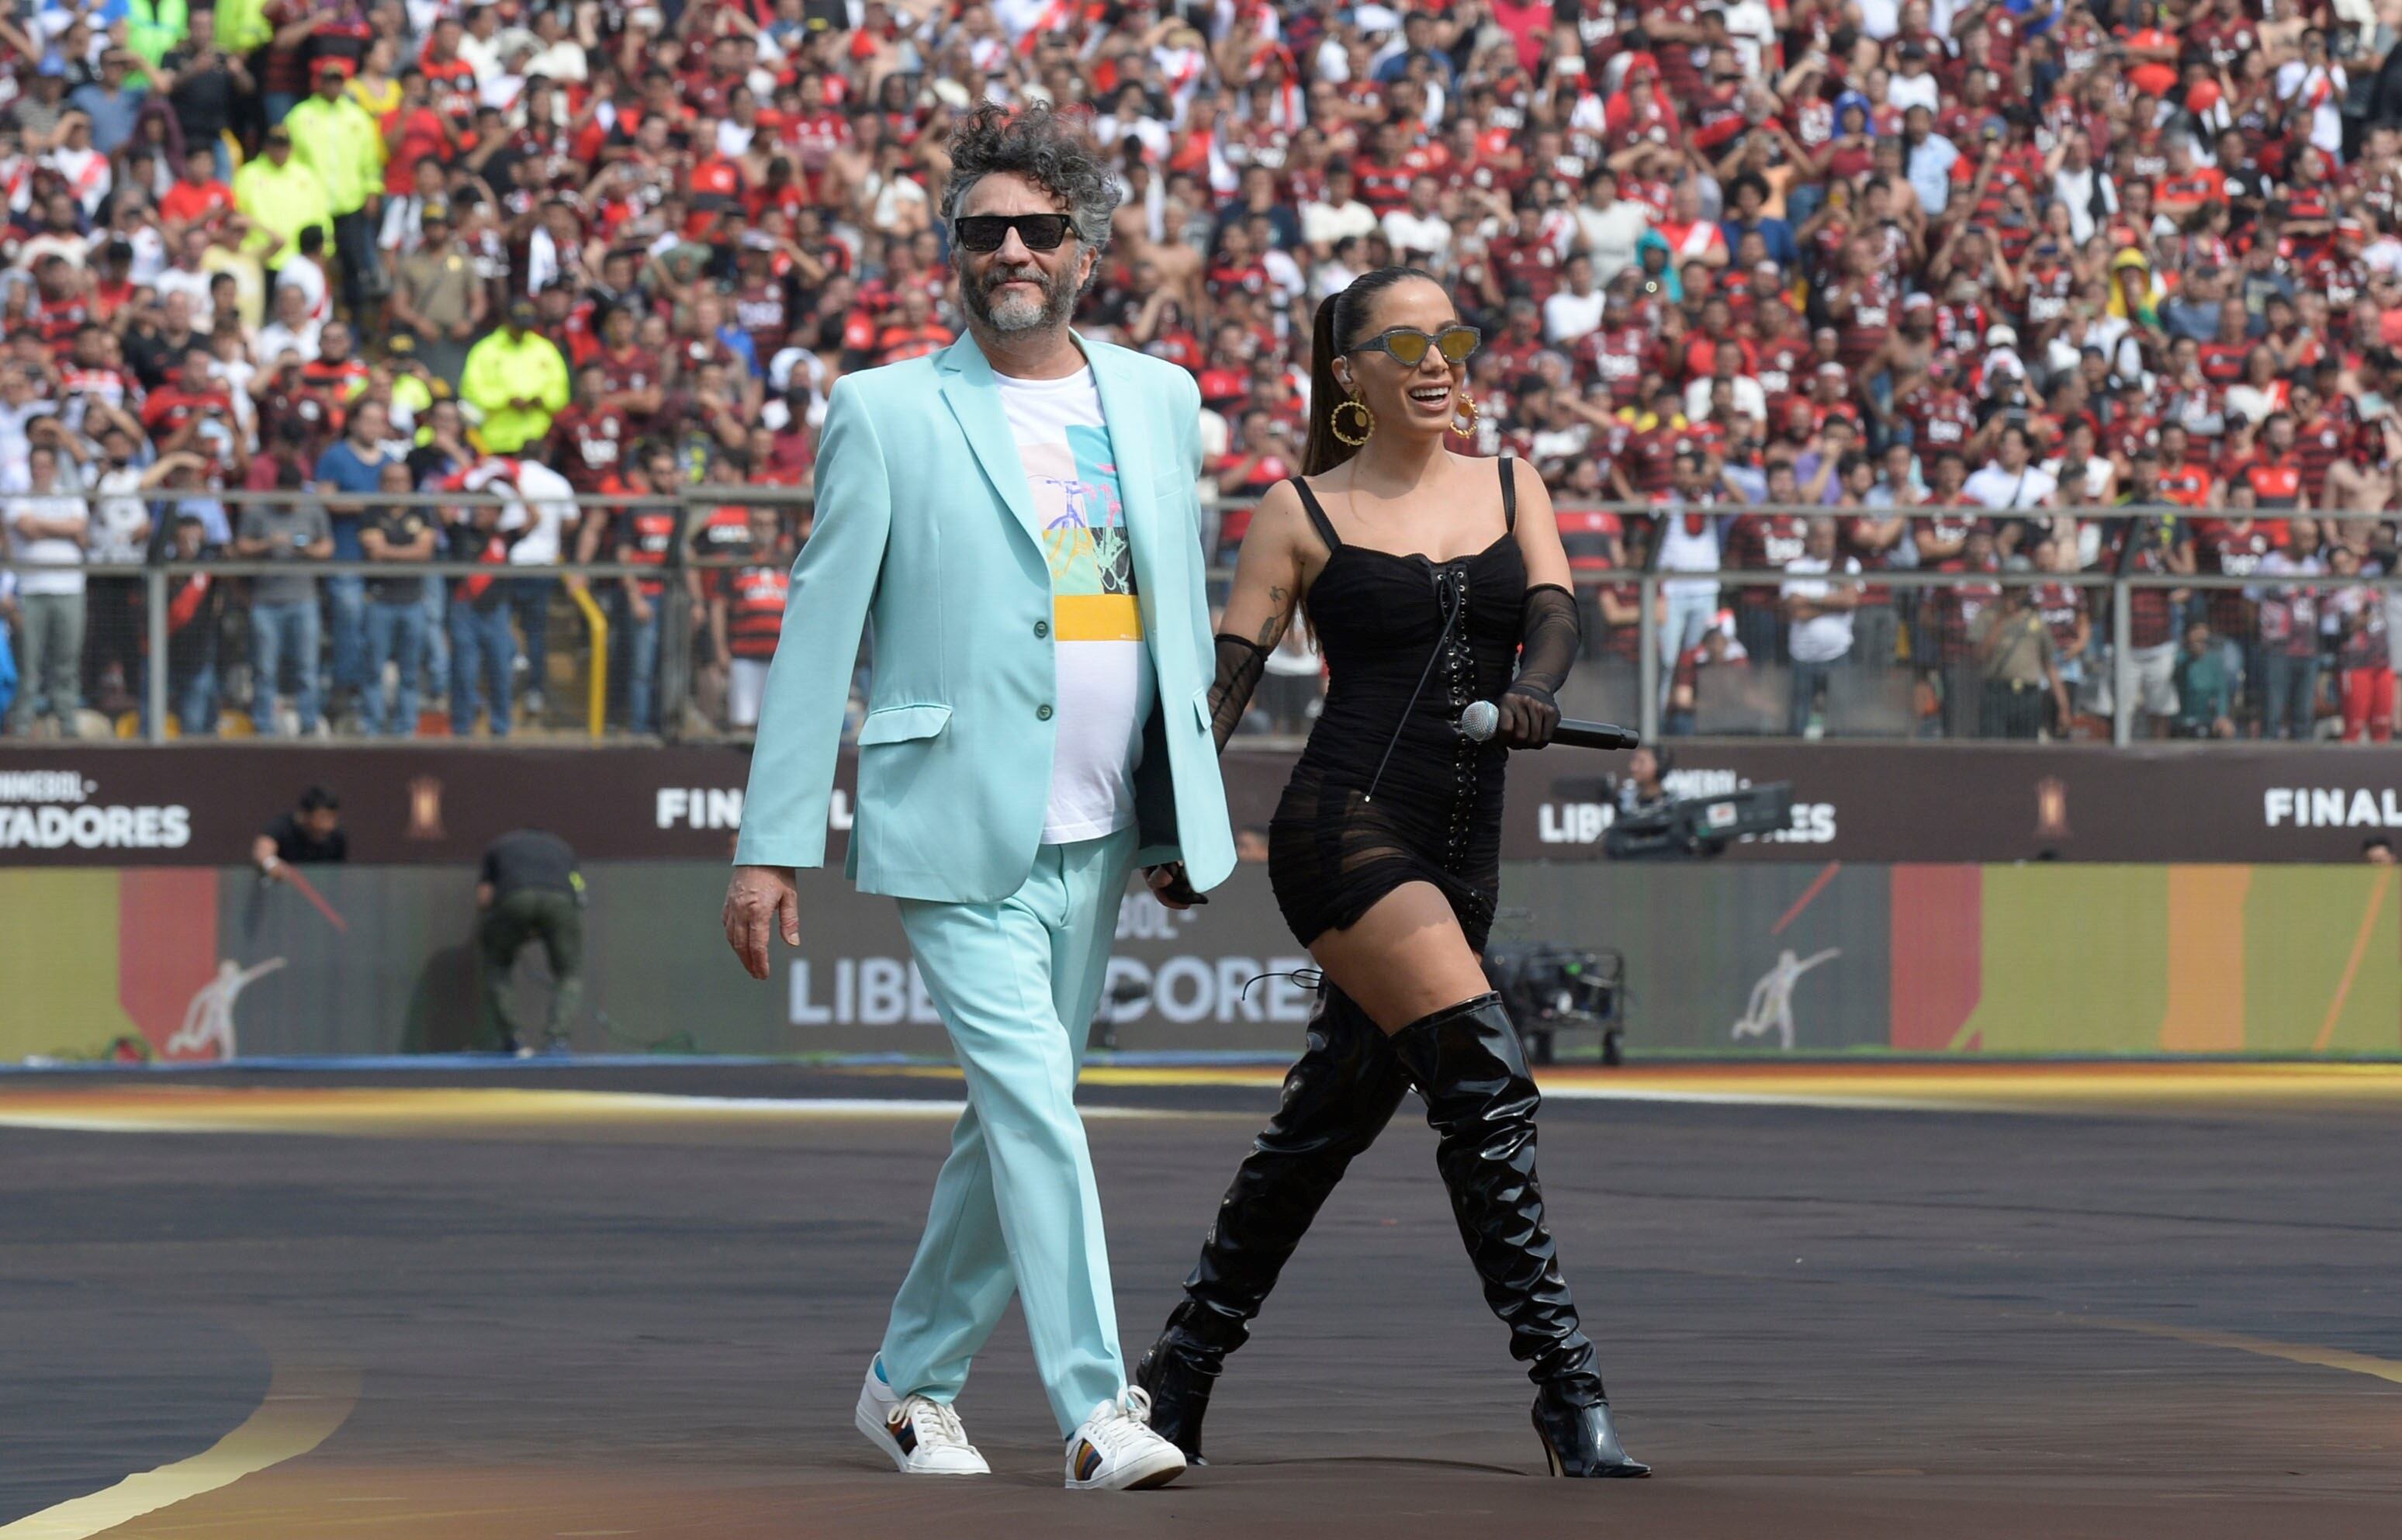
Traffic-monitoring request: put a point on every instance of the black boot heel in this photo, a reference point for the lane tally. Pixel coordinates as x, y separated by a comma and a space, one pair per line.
1580, 1440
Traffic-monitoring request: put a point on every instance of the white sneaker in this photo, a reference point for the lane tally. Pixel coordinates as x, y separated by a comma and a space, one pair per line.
922, 1437
1115, 1449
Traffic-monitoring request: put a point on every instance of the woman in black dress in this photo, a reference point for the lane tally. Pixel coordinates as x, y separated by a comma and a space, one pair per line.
1433, 580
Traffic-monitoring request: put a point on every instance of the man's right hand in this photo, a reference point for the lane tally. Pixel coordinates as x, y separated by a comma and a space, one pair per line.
761, 901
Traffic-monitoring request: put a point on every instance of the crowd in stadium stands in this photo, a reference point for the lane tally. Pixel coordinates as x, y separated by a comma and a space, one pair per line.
1942, 268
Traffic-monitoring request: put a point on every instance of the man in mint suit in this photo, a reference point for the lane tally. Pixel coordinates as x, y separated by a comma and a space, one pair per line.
1017, 518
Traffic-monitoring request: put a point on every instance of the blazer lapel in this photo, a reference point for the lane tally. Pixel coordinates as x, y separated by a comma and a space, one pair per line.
1127, 410
974, 398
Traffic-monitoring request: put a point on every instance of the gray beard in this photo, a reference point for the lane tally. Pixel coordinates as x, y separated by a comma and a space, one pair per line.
1016, 314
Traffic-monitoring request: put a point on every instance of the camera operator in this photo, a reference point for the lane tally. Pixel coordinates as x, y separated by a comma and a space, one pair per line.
1641, 790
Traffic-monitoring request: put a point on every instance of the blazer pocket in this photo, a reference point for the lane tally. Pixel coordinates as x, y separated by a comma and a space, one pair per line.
902, 723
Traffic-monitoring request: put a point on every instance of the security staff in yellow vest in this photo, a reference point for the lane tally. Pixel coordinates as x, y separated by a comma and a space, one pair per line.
517, 379
412, 387
242, 25
334, 137
153, 27
281, 196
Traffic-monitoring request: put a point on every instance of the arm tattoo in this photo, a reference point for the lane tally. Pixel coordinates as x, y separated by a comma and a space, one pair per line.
1272, 628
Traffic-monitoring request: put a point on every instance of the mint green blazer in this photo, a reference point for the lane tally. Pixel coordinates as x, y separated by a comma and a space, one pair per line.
925, 532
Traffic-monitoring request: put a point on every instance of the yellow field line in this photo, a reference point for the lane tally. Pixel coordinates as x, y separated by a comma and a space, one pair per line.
2293, 1353
370, 1112
387, 1110
305, 1403
2014, 1087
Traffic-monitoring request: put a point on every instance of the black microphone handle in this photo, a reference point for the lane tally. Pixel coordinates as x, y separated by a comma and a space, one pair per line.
1595, 735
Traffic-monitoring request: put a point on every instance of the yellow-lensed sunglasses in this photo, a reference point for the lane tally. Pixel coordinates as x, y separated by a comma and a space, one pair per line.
1408, 345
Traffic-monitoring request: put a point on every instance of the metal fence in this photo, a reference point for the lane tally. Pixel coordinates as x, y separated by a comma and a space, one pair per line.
649, 639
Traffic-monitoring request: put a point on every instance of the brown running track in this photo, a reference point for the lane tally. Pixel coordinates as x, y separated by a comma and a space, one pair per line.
607, 1317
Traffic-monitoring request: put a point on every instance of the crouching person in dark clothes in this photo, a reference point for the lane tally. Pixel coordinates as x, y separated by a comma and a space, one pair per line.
530, 889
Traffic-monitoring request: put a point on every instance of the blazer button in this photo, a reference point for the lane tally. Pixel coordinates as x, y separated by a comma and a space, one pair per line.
1042, 627
1042, 713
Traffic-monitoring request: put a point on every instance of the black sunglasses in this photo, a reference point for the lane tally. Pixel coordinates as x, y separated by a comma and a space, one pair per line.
984, 232
1408, 345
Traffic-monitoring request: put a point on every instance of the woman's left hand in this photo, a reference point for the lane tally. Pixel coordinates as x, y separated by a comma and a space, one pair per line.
1529, 717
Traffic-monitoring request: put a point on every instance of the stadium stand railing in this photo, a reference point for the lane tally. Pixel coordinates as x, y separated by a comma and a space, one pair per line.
2106, 626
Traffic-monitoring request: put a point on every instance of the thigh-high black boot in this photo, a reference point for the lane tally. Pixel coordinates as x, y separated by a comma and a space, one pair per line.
1336, 1100
1468, 1063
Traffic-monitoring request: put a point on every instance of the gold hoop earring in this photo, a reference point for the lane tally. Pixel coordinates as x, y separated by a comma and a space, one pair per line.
1367, 421
1468, 402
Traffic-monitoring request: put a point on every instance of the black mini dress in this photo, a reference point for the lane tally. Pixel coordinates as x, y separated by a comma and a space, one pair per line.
1389, 791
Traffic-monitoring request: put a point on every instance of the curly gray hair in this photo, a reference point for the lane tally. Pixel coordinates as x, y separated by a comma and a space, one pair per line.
1047, 150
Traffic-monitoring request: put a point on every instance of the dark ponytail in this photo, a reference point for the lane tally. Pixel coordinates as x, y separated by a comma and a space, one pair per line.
1342, 318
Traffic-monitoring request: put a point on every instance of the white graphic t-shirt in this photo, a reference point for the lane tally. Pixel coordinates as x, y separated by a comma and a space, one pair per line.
1105, 683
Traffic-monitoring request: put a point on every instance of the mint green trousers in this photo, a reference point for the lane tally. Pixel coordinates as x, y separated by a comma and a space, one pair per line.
1015, 1209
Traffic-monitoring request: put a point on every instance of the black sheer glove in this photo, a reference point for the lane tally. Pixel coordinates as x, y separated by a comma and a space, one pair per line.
1549, 640
1240, 664
1529, 716
1172, 887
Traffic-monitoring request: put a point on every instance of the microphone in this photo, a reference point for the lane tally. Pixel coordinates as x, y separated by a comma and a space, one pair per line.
1482, 718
